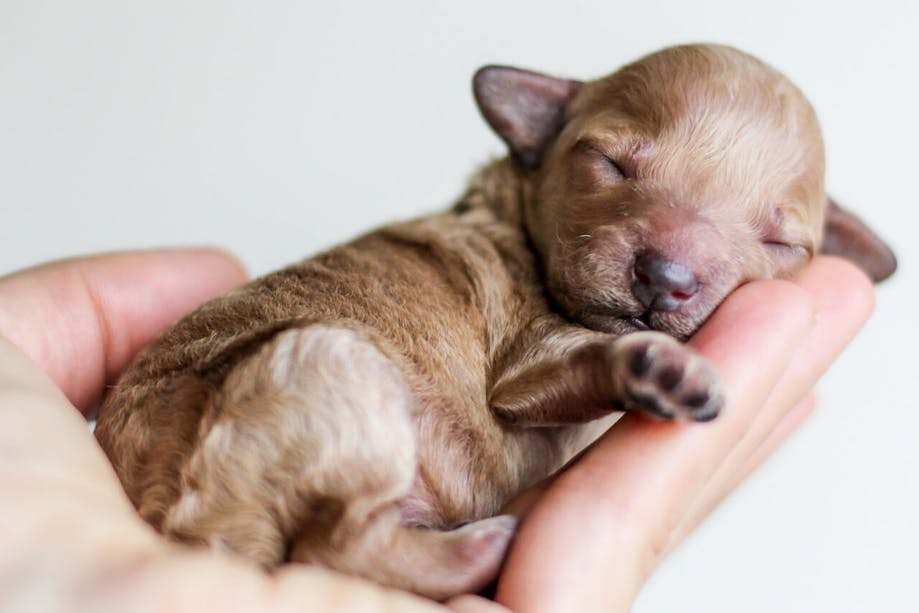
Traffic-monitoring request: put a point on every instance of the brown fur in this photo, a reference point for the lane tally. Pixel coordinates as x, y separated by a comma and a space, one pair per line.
353, 409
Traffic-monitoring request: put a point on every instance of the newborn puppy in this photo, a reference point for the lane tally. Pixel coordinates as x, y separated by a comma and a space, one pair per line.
371, 409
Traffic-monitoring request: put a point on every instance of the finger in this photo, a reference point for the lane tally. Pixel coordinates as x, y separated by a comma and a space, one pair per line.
791, 421
83, 319
726, 481
844, 308
46, 450
590, 531
846, 299
64, 512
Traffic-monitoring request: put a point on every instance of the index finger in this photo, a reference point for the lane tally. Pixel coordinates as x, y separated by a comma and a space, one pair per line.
83, 319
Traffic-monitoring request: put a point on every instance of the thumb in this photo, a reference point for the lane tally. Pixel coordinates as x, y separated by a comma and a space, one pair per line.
73, 541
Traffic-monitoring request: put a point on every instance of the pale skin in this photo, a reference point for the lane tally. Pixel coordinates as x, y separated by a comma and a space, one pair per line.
71, 540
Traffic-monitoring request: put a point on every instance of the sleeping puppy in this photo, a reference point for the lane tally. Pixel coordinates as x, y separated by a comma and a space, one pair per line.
373, 408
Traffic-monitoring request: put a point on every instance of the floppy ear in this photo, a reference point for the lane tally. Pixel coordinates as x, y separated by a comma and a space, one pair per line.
846, 235
526, 109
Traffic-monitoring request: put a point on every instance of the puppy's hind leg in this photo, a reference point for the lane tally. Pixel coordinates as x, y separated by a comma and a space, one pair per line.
306, 452
434, 563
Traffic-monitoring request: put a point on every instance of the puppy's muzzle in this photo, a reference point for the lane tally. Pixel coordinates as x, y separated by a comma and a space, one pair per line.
662, 284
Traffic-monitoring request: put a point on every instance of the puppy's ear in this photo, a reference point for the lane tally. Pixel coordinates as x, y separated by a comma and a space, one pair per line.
846, 235
526, 109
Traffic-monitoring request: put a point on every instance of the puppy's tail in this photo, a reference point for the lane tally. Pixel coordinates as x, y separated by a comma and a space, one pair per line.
305, 454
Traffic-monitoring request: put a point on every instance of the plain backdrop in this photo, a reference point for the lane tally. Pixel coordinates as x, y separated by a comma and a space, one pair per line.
275, 129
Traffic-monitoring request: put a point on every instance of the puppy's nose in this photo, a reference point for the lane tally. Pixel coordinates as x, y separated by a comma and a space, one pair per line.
662, 284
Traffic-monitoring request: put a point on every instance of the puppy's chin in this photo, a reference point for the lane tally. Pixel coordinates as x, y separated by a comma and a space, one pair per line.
676, 325
611, 324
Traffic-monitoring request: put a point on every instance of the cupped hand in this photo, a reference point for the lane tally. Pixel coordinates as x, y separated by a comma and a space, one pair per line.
73, 542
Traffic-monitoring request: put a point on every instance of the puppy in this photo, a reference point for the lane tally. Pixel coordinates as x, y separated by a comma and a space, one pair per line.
373, 408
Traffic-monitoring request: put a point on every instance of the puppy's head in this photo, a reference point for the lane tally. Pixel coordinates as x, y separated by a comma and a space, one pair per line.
660, 188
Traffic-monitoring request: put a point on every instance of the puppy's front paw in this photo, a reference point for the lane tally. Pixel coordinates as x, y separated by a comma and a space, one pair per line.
661, 377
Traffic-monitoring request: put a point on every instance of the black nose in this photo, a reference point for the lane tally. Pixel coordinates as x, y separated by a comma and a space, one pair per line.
662, 284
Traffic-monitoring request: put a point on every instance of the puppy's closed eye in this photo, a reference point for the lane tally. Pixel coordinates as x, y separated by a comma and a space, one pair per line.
614, 168
781, 250
599, 168
782, 247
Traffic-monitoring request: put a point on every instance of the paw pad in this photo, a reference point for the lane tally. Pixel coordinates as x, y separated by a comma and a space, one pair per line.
668, 380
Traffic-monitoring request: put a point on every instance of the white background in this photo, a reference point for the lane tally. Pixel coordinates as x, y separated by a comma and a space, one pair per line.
276, 129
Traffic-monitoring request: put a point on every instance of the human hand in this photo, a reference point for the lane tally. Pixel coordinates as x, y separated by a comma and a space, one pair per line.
71, 540
594, 534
